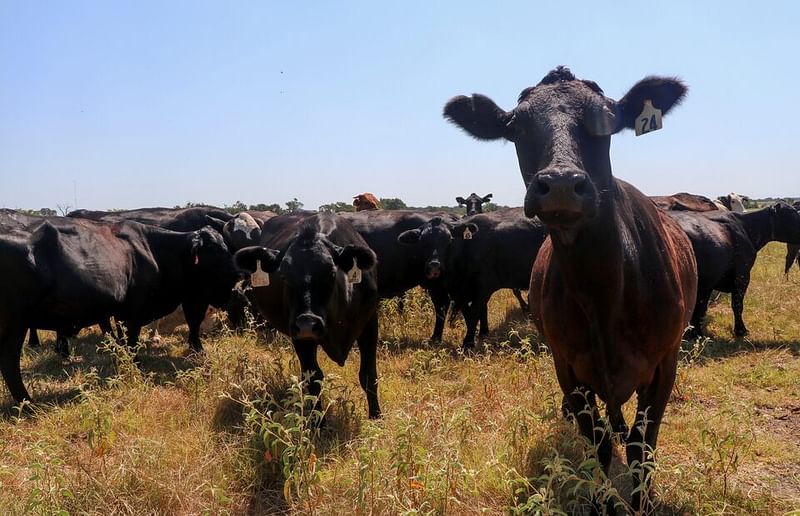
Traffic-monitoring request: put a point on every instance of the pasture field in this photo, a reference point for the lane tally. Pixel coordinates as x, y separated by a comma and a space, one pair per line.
477, 434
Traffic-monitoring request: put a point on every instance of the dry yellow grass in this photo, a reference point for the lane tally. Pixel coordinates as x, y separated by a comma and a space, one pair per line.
460, 434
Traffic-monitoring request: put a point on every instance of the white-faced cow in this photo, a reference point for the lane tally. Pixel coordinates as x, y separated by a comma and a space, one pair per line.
613, 286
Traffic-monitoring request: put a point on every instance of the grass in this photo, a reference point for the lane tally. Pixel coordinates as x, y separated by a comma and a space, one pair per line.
232, 432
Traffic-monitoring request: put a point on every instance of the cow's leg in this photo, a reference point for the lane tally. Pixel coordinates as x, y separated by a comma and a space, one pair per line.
737, 304
194, 314
792, 255
522, 303
106, 328
470, 314
484, 319
699, 313
617, 421
440, 301
132, 331
33, 338
641, 443
11, 340
312, 373
368, 370
62, 344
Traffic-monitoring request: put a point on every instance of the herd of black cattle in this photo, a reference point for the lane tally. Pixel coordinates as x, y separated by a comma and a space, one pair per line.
613, 280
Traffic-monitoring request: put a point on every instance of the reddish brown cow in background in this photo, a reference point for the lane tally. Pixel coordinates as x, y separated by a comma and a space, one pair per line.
365, 202
613, 286
684, 202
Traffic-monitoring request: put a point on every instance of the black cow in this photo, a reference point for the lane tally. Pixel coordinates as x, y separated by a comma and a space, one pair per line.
613, 286
71, 273
244, 229
176, 219
792, 251
311, 297
401, 268
480, 255
726, 244
474, 203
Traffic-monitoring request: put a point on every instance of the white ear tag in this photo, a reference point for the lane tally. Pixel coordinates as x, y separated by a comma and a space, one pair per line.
259, 278
467, 234
354, 274
649, 119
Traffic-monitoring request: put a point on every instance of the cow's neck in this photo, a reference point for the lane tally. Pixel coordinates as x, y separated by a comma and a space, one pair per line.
168, 248
590, 259
759, 227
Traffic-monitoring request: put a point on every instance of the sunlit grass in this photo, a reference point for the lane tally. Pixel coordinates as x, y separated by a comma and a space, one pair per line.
461, 434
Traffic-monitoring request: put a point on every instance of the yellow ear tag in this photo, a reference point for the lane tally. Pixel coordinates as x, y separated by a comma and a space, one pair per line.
467, 234
259, 278
649, 119
354, 274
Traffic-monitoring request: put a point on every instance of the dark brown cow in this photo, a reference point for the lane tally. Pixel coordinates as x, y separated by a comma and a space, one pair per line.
366, 202
792, 251
613, 287
684, 202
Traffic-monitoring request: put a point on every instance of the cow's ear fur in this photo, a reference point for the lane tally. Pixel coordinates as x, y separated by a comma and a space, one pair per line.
409, 237
664, 92
479, 116
487, 198
460, 200
215, 223
245, 259
363, 256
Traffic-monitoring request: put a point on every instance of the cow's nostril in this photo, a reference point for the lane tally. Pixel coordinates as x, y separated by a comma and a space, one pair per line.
580, 187
542, 187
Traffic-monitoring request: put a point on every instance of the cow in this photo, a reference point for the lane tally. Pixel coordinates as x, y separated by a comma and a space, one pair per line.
70, 273
366, 202
792, 251
683, 201
399, 268
474, 203
478, 256
613, 286
321, 291
734, 202
176, 219
726, 244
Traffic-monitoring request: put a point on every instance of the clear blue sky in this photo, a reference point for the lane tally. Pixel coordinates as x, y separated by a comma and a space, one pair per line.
160, 103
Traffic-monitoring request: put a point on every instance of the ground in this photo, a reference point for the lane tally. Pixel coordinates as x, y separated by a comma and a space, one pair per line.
229, 433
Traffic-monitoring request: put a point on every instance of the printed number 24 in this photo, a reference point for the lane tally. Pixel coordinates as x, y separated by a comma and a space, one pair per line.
648, 124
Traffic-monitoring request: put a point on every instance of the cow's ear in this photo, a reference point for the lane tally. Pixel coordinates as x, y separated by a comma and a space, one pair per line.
364, 257
487, 198
664, 92
460, 200
409, 237
479, 116
246, 258
196, 245
215, 223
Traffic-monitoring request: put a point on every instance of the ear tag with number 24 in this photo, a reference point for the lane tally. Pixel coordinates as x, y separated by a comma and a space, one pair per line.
259, 278
649, 119
354, 274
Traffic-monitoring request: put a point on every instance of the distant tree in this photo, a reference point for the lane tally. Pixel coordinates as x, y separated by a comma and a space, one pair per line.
336, 207
63, 209
47, 212
392, 203
275, 208
236, 207
294, 205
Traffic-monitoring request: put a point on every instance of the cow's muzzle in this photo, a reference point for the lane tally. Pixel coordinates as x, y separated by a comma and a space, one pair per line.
308, 326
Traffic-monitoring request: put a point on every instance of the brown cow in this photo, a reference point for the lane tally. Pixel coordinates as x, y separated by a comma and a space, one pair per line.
684, 202
613, 286
365, 202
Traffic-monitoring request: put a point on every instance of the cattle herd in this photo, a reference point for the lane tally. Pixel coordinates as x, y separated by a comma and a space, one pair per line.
614, 278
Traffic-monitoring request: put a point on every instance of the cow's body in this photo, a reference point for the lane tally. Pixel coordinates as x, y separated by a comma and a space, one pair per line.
685, 202
614, 284
71, 273
175, 219
309, 296
726, 244
400, 268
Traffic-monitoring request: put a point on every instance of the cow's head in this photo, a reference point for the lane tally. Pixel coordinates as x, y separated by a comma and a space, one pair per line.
433, 240
313, 271
474, 203
211, 266
366, 202
785, 220
241, 231
562, 130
